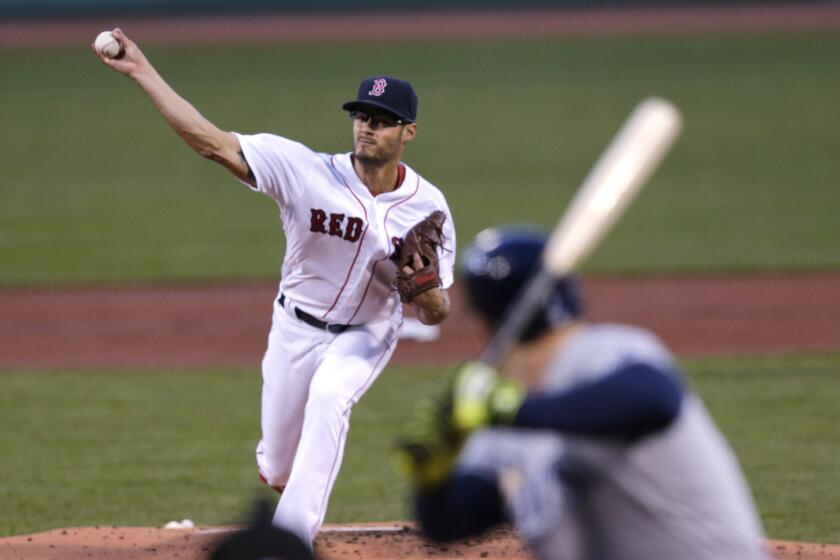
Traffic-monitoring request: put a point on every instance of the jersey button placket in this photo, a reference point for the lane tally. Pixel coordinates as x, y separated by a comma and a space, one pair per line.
362, 270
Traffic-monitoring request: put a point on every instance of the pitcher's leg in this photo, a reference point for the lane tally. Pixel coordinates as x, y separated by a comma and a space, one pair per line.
351, 364
287, 368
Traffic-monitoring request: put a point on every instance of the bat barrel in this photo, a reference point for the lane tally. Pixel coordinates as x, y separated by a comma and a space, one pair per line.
614, 181
618, 175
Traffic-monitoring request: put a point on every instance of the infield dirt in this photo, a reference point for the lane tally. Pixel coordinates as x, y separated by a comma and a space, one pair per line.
357, 542
179, 325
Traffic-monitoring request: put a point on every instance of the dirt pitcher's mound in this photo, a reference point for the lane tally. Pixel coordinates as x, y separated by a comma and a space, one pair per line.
364, 541
359, 542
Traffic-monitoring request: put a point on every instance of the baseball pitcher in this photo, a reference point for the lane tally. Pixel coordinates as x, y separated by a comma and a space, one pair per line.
592, 445
365, 234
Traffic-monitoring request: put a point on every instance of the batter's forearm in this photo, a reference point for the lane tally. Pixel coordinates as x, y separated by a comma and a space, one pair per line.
635, 400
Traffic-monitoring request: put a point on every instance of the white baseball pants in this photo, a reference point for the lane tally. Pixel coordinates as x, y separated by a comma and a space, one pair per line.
311, 380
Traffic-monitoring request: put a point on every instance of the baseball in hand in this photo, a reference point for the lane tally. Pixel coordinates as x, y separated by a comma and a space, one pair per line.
107, 45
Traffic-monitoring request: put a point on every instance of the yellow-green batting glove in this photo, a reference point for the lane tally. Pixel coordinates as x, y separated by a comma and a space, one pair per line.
427, 450
482, 397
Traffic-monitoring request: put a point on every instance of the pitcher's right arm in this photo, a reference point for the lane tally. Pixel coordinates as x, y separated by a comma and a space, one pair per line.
199, 133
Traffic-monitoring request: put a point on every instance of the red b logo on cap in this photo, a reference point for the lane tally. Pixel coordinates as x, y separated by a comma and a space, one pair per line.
378, 87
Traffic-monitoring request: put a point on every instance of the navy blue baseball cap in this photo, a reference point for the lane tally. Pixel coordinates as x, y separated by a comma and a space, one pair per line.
389, 94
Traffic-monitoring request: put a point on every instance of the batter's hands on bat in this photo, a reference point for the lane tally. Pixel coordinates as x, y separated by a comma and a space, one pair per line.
130, 62
427, 450
482, 397
477, 397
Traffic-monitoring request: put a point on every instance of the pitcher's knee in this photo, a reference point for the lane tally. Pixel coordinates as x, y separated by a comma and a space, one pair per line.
327, 398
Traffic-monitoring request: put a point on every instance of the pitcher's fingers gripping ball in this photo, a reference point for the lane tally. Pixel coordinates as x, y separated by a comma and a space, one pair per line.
108, 46
417, 257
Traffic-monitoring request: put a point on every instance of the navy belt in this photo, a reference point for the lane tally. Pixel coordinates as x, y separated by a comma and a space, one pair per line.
313, 321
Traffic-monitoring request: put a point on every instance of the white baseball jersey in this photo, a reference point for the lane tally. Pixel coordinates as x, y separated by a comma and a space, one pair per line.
678, 493
339, 238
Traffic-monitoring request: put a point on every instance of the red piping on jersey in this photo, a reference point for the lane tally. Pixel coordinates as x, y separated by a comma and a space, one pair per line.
361, 240
388, 241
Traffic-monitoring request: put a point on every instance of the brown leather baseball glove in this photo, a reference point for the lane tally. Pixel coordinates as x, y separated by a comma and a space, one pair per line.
423, 239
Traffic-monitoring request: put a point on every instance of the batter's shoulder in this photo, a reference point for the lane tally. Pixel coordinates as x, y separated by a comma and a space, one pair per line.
631, 339
597, 349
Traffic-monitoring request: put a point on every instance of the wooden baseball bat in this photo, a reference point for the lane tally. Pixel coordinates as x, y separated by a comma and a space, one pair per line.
617, 177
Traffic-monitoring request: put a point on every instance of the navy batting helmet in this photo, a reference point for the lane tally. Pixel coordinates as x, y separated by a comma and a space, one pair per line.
499, 263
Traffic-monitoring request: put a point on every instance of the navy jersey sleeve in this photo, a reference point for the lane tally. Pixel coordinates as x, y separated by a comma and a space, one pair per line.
633, 401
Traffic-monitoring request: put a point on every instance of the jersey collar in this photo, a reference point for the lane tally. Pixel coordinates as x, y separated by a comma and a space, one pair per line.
405, 179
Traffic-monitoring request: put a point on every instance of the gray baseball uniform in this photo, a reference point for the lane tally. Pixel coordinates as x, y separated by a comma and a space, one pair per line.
677, 493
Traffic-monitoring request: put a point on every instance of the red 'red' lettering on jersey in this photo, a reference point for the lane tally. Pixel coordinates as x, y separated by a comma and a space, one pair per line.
378, 87
318, 218
336, 227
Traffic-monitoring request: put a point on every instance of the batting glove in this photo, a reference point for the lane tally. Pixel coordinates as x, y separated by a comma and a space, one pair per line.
482, 397
427, 451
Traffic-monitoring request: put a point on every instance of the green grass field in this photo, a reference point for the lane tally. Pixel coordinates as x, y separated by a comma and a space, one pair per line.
143, 448
96, 188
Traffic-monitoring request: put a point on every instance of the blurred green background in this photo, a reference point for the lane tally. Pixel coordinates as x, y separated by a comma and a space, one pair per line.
96, 188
